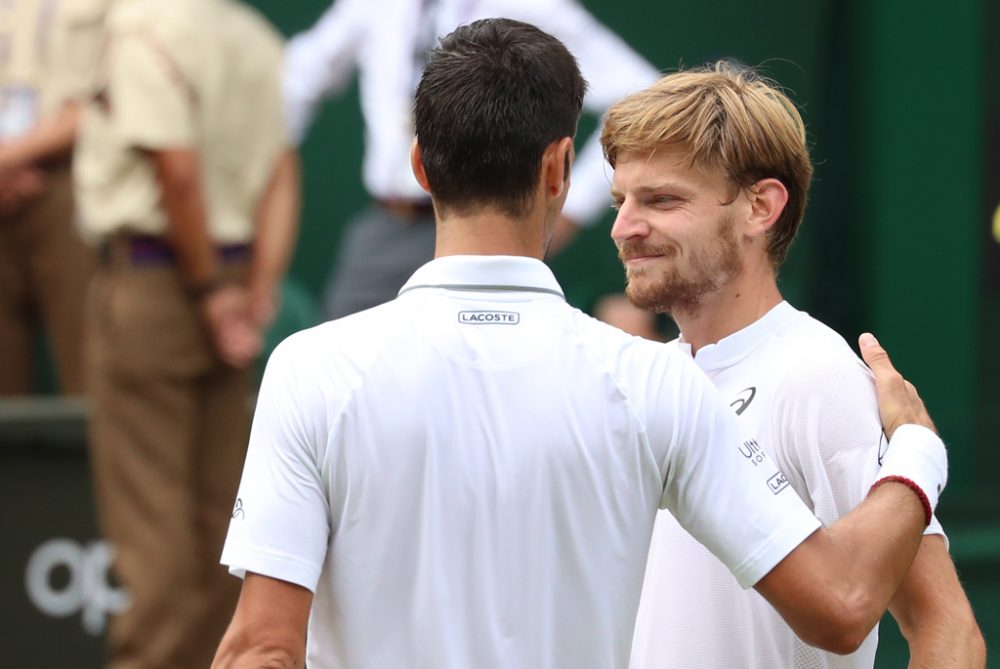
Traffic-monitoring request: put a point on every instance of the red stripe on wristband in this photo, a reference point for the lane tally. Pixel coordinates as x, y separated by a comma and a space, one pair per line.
917, 490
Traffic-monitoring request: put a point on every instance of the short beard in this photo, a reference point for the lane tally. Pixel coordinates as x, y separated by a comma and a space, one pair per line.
676, 294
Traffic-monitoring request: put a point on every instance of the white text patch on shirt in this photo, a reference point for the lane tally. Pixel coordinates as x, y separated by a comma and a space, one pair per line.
489, 317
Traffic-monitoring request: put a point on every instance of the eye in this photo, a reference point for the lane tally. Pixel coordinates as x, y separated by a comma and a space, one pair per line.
616, 204
664, 201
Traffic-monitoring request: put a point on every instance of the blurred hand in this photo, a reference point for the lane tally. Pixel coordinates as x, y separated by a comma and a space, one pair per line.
898, 401
265, 301
616, 310
235, 334
20, 188
563, 233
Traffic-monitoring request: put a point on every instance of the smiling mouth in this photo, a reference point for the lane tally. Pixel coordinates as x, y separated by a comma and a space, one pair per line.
636, 255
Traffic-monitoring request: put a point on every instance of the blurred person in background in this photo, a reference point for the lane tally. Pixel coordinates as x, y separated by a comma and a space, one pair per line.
188, 187
711, 178
387, 43
47, 66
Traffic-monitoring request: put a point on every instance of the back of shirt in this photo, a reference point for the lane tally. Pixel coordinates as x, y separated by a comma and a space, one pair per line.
467, 477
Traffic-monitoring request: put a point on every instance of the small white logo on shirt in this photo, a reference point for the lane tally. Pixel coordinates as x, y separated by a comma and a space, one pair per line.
489, 317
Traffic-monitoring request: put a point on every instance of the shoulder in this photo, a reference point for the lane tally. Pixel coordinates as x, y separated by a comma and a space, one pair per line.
251, 23
659, 380
826, 396
616, 347
350, 342
82, 12
814, 357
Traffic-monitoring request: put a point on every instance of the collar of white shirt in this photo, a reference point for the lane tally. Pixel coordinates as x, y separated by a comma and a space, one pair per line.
485, 273
729, 350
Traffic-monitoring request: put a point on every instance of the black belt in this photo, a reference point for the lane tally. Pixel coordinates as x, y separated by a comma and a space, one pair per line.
149, 250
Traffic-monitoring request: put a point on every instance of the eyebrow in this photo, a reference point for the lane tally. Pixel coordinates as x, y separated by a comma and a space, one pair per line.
653, 188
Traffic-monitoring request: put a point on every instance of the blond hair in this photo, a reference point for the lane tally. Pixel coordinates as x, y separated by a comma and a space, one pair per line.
726, 117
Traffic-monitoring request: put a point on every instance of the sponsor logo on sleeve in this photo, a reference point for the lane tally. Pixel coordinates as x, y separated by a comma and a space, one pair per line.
752, 451
489, 317
777, 483
743, 399
238, 513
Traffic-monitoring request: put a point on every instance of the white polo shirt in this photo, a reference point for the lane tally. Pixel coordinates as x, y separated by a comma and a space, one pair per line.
807, 402
468, 475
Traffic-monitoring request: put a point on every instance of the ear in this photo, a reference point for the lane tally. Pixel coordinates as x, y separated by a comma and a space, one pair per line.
417, 165
556, 163
768, 198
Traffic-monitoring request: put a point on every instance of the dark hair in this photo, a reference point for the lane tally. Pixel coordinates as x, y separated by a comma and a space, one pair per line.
493, 96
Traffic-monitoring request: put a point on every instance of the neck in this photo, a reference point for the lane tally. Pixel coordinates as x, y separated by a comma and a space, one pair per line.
489, 233
740, 302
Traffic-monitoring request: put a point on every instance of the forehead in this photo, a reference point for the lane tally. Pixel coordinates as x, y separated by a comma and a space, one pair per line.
661, 166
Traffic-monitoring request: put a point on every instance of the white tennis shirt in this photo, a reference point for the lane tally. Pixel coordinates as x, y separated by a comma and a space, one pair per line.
808, 402
467, 476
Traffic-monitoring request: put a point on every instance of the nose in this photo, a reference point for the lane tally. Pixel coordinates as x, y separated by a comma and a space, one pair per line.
628, 223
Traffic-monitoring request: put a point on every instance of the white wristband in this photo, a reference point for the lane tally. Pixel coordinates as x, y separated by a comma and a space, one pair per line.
916, 457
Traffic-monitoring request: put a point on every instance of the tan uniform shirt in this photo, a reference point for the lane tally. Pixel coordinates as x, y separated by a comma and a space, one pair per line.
49, 51
75, 51
184, 74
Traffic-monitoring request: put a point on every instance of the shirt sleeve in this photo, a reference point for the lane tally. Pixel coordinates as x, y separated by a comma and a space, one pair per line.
741, 508
77, 41
152, 99
319, 61
613, 70
281, 521
828, 429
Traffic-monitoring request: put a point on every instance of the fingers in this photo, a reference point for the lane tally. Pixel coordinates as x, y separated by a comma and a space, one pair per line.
238, 340
898, 400
874, 355
918, 403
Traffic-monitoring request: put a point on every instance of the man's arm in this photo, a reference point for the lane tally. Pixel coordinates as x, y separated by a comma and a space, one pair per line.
318, 62
837, 584
934, 614
52, 138
275, 230
268, 630
225, 307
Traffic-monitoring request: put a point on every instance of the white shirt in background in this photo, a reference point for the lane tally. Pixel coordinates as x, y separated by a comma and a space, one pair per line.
383, 41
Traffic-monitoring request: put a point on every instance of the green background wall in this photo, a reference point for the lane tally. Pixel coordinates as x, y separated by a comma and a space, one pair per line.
900, 97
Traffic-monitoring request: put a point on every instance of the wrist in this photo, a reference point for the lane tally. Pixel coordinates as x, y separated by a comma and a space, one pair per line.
919, 462
198, 291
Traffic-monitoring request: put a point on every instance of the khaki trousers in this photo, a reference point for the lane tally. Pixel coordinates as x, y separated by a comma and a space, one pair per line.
167, 440
44, 271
